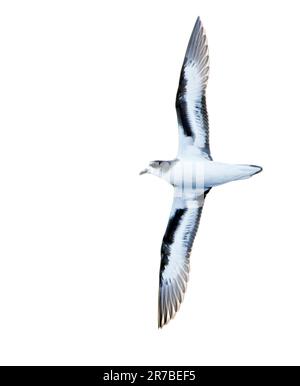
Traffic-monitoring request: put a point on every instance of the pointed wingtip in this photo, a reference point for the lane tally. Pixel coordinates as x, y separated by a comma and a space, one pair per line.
197, 22
162, 323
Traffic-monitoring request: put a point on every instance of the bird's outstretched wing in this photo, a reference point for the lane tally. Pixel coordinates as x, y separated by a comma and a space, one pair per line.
191, 99
175, 254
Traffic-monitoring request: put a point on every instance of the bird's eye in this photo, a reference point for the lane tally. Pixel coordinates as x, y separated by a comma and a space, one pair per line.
155, 164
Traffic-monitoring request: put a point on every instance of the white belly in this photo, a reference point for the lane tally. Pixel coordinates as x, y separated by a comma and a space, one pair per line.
205, 174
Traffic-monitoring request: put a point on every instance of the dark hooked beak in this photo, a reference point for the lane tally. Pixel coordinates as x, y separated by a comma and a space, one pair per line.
144, 171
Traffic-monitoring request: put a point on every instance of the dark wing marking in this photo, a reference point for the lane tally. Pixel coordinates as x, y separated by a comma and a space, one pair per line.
175, 255
191, 99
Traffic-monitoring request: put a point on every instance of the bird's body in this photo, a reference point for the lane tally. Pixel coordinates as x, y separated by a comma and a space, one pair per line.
201, 173
192, 173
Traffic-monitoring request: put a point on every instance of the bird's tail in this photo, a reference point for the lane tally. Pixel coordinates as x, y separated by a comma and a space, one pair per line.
246, 171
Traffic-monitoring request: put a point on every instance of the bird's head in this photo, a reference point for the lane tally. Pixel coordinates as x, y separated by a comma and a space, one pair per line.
155, 167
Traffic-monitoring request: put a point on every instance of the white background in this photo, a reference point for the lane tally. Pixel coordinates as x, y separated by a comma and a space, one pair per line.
87, 92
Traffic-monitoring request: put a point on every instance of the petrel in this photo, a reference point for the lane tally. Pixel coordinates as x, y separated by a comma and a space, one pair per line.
192, 174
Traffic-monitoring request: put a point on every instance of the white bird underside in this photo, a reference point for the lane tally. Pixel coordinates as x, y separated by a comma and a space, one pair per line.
203, 174
193, 173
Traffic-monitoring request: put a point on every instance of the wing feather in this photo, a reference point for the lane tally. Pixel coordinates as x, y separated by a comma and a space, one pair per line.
175, 255
191, 97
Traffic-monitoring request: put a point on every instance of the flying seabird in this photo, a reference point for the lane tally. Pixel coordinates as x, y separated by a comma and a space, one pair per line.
192, 173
